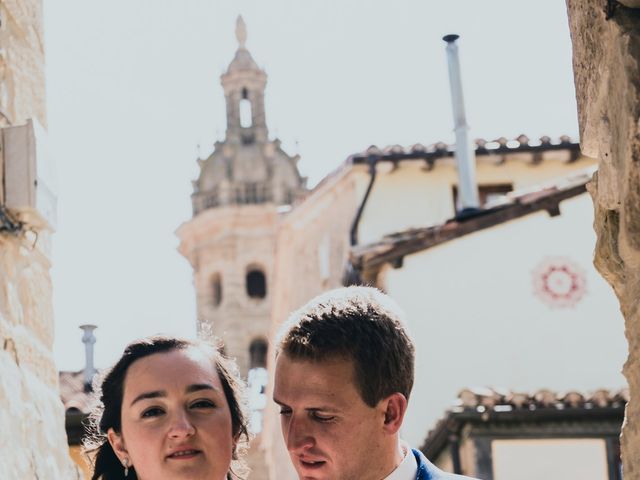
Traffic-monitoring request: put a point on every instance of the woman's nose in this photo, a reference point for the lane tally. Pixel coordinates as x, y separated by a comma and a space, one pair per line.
181, 426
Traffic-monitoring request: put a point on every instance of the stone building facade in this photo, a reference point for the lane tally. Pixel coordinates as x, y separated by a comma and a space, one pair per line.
32, 442
606, 54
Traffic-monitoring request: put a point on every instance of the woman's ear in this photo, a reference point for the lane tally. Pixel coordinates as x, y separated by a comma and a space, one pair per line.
117, 444
395, 406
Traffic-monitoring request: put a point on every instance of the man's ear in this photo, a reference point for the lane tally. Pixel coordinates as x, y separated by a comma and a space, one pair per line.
395, 406
117, 444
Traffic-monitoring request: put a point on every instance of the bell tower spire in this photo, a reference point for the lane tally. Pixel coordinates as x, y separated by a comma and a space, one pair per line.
244, 84
246, 168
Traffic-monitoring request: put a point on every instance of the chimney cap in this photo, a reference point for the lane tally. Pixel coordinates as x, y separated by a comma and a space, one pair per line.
452, 37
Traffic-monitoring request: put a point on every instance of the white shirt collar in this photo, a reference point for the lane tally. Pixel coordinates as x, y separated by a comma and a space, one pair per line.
408, 468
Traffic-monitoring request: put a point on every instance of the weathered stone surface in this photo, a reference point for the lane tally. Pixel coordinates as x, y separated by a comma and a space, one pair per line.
33, 441
607, 75
22, 82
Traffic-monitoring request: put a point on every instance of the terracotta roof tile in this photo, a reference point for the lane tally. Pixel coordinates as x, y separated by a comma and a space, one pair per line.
489, 399
502, 145
482, 405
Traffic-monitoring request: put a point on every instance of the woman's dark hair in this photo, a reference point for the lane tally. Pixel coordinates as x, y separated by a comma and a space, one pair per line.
109, 391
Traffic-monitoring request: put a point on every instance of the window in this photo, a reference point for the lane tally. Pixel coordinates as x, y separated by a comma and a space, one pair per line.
486, 193
245, 110
256, 284
216, 289
252, 193
258, 354
247, 138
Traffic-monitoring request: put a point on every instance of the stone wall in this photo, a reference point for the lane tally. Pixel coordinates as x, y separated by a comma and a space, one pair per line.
225, 243
33, 441
606, 52
22, 81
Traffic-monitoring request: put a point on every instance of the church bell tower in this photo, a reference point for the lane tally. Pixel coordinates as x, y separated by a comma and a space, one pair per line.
237, 199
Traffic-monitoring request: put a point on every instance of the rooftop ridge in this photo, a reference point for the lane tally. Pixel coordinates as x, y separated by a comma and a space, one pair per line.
502, 145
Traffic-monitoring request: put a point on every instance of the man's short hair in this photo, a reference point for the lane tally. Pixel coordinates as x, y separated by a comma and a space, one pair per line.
360, 324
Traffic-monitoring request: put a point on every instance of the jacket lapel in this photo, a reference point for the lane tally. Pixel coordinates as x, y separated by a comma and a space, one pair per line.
423, 473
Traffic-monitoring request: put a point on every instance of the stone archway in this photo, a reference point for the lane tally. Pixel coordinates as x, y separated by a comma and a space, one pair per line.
606, 62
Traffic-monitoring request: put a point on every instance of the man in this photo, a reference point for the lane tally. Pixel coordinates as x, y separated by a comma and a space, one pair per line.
344, 372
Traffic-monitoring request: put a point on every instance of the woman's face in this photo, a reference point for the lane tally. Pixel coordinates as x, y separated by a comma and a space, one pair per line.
176, 423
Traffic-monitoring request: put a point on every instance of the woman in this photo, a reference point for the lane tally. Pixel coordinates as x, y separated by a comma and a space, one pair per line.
169, 409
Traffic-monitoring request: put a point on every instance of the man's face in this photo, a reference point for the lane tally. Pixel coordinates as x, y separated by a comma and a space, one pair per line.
330, 432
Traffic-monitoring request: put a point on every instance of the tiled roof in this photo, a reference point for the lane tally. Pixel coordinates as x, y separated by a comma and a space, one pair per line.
367, 259
491, 406
498, 147
72, 392
488, 399
494, 151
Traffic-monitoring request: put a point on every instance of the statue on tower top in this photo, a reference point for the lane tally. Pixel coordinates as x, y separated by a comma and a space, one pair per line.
241, 31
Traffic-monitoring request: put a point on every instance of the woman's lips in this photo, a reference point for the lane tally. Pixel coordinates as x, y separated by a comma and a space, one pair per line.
184, 454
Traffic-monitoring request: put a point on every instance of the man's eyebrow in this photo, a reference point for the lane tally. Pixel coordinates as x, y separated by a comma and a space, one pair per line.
320, 408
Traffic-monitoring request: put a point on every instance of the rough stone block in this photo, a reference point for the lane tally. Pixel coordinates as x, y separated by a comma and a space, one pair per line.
606, 56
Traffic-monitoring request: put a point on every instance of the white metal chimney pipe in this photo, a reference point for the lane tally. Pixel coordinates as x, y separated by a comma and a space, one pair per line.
89, 339
465, 159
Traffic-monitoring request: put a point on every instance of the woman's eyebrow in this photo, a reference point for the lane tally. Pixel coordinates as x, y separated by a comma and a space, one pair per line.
147, 395
196, 387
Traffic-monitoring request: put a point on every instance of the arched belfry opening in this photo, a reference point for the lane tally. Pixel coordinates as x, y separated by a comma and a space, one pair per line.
256, 283
258, 353
246, 168
216, 289
246, 114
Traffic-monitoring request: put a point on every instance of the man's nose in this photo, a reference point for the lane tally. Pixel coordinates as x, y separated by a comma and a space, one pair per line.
181, 426
299, 436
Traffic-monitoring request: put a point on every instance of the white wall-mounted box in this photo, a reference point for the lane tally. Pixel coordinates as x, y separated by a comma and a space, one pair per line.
29, 175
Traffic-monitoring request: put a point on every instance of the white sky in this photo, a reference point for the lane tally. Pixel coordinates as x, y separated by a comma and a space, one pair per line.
133, 88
